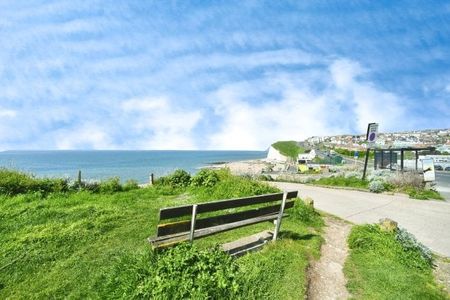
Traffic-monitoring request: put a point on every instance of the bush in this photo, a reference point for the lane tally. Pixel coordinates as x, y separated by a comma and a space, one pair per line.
230, 186
376, 186
411, 245
130, 185
407, 180
111, 185
401, 244
205, 178
15, 182
179, 178
181, 272
306, 213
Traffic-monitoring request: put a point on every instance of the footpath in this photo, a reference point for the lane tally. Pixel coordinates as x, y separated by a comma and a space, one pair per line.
428, 220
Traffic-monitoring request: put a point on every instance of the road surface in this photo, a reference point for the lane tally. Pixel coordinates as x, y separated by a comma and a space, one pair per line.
443, 183
428, 220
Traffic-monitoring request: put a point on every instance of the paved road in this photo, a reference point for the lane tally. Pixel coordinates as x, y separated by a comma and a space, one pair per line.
443, 183
429, 221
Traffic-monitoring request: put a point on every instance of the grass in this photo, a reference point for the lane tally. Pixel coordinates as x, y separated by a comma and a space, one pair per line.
70, 245
423, 194
289, 148
342, 181
379, 267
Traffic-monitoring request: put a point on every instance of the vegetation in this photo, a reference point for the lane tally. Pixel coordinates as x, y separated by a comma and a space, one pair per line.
289, 148
84, 244
423, 194
380, 181
388, 265
14, 183
343, 181
351, 153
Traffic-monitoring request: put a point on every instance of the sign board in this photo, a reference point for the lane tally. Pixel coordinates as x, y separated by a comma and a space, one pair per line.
428, 169
356, 155
372, 133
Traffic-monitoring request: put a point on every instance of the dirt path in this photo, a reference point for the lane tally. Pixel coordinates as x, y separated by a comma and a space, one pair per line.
326, 277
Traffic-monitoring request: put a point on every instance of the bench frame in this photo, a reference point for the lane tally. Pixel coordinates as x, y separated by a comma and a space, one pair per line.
172, 233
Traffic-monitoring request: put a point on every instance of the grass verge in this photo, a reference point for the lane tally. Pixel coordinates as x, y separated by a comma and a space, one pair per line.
342, 181
381, 267
93, 245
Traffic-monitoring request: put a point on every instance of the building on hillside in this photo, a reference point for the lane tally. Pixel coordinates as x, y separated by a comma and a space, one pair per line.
305, 158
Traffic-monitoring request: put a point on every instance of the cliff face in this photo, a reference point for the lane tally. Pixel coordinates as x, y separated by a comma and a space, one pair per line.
275, 155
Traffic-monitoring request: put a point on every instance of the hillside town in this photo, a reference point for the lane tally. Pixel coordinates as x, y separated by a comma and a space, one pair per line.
438, 138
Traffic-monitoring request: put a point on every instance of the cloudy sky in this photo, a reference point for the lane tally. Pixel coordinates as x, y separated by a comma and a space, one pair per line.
217, 74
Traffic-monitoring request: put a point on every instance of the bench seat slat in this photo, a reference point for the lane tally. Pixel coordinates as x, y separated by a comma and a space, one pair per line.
166, 241
183, 226
174, 212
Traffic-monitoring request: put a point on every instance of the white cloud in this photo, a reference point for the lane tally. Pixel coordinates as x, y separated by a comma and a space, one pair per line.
86, 136
300, 110
7, 113
160, 124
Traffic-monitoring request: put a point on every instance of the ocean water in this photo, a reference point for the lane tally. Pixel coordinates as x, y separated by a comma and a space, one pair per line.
97, 165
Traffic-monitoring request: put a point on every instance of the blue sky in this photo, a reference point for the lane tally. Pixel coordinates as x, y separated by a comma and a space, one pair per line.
217, 74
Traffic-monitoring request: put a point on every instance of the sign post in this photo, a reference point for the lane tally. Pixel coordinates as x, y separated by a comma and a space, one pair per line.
371, 138
428, 170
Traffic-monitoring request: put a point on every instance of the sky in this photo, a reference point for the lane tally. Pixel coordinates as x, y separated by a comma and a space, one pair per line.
218, 74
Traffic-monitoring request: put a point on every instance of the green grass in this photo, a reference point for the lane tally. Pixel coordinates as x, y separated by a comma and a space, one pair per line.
423, 194
68, 245
379, 267
342, 181
289, 148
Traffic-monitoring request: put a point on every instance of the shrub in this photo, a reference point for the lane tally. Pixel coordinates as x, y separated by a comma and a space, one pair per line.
111, 185
130, 185
230, 186
306, 213
407, 180
14, 182
376, 186
352, 174
205, 178
412, 246
401, 244
181, 272
179, 178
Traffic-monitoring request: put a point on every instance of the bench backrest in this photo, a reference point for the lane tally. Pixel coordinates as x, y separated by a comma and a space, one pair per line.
179, 230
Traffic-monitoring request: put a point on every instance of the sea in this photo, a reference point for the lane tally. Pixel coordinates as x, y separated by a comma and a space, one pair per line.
99, 165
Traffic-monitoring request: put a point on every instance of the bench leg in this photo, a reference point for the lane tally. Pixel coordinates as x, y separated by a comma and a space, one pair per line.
194, 217
280, 216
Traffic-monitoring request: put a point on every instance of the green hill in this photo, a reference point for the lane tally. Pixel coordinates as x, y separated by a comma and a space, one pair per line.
288, 148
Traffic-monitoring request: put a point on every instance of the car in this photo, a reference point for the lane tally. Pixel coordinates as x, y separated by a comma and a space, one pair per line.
447, 168
438, 168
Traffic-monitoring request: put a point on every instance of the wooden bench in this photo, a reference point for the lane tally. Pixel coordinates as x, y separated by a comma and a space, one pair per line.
173, 232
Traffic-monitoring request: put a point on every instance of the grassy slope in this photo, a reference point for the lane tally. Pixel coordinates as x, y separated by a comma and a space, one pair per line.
65, 245
379, 268
288, 148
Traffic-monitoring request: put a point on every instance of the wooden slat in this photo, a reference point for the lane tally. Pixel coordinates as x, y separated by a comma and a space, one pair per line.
182, 226
179, 211
166, 241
